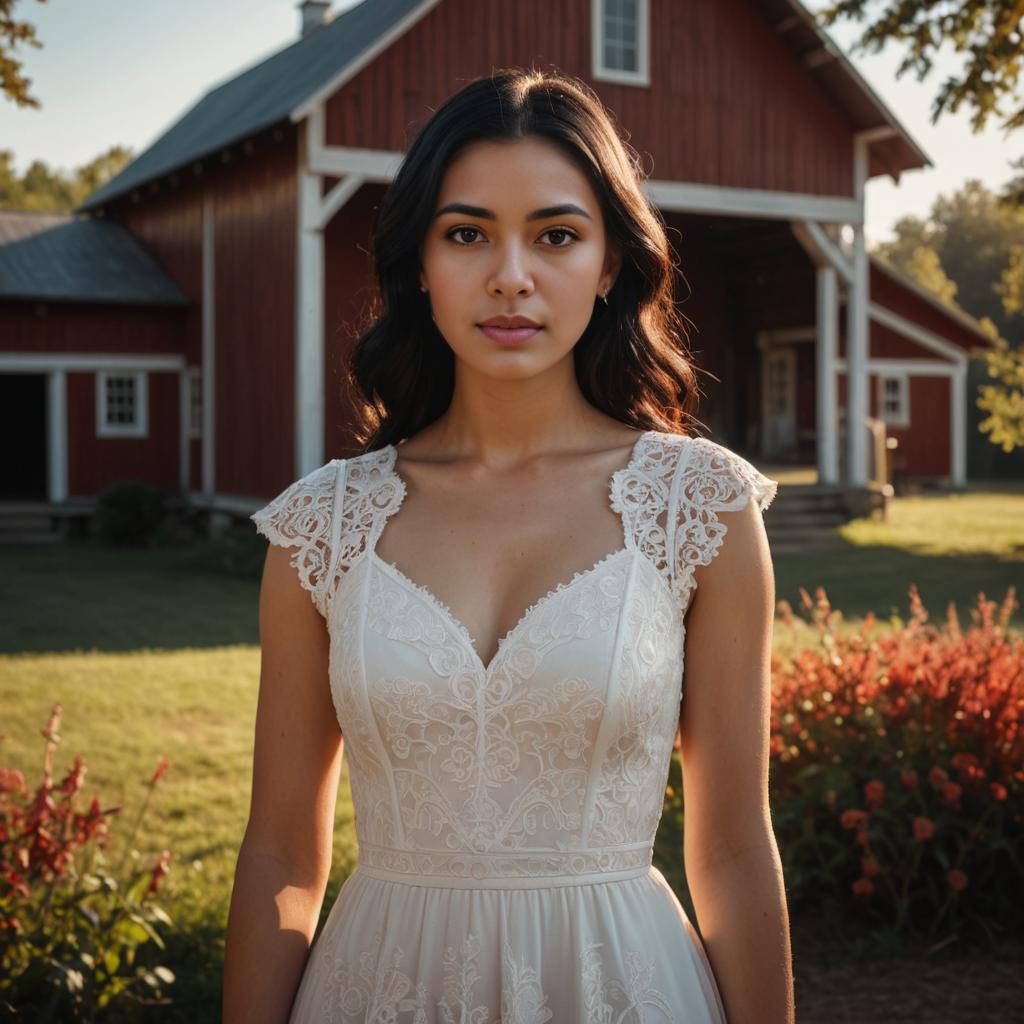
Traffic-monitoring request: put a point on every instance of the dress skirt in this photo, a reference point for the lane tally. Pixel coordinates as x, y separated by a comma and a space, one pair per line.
597, 953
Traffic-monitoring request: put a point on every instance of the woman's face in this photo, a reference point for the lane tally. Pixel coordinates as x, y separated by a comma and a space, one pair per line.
517, 231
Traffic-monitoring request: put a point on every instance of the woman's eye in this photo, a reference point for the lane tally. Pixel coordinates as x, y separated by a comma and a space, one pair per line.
561, 238
561, 233
457, 232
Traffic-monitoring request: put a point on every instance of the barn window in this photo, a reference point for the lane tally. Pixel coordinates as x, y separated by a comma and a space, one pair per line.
620, 33
195, 403
894, 399
121, 404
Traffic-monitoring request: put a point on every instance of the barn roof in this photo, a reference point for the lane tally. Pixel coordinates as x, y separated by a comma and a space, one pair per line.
288, 83
263, 95
952, 310
61, 258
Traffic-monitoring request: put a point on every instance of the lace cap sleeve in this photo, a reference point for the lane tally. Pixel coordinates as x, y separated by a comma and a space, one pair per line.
302, 517
711, 479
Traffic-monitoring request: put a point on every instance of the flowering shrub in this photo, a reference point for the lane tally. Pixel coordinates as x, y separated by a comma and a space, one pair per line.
69, 928
897, 776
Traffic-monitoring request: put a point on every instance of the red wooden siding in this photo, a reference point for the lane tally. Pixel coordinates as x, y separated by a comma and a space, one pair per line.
94, 462
900, 299
728, 104
83, 327
254, 199
348, 289
924, 447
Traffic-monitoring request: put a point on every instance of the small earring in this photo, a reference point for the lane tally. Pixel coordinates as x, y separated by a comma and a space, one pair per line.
423, 288
604, 296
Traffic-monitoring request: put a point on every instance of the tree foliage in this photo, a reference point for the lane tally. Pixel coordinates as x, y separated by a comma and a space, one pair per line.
987, 33
970, 252
13, 82
1004, 401
45, 189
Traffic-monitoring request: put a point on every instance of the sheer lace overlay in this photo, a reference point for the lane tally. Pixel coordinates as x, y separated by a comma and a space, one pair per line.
540, 773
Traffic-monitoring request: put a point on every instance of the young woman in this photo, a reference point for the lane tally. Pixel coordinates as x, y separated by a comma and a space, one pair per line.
489, 607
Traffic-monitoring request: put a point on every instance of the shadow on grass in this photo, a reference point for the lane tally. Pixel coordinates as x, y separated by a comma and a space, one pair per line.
83, 596
876, 578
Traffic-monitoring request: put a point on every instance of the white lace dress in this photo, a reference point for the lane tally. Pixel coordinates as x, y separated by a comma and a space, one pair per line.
506, 813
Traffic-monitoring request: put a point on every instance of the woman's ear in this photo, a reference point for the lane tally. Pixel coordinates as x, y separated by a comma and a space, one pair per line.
612, 266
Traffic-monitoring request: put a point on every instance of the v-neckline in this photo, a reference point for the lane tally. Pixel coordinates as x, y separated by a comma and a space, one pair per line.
455, 623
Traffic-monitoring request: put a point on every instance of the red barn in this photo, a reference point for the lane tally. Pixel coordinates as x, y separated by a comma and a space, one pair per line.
191, 324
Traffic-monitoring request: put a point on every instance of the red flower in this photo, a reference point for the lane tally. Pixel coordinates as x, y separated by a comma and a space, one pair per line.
951, 794
909, 778
998, 791
937, 776
863, 887
967, 766
957, 879
854, 818
874, 793
924, 828
11, 780
869, 867
159, 870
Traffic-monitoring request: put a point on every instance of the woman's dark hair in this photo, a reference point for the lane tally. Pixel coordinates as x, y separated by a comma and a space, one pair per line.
631, 361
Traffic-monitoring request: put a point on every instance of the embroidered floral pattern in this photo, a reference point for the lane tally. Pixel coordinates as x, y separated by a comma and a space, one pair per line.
374, 989
545, 767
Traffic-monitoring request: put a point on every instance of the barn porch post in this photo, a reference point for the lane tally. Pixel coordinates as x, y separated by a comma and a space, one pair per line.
830, 265
353, 168
309, 306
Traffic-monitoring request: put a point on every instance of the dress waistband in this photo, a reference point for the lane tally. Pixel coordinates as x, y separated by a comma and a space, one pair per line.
512, 869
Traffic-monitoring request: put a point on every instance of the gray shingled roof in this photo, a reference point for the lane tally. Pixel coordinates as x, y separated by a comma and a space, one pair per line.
69, 259
260, 97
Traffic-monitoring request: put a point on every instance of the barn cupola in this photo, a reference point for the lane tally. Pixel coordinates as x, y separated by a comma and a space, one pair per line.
314, 14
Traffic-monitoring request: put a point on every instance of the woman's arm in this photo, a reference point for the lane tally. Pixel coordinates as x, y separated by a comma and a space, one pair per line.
285, 856
732, 860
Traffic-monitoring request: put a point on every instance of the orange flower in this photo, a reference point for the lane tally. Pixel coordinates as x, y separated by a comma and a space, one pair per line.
924, 828
874, 793
854, 818
161, 768
909, 778
869, 867
957, 879
997, 790
863, 887
951, 794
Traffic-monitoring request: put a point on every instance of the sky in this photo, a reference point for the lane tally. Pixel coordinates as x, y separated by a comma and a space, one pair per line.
123, 71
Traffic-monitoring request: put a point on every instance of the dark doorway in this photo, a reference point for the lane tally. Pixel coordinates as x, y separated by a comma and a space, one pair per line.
23, 429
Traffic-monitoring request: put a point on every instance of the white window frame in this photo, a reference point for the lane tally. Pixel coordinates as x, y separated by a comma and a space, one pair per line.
642, 76
901, 418
140, 427
194, 409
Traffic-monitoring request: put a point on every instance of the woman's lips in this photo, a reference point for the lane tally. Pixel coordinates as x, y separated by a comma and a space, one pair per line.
508, 335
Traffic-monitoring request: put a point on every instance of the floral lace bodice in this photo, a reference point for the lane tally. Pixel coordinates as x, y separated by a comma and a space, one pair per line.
550, 762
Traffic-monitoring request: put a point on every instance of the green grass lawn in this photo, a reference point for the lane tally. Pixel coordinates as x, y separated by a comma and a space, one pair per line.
155, 653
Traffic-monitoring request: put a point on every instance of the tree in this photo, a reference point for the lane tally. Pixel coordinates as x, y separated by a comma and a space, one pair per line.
989, 276
987, 32
13, 82
1004, 402
43, 189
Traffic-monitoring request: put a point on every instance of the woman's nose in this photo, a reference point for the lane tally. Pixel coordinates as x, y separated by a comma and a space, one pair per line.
511, 275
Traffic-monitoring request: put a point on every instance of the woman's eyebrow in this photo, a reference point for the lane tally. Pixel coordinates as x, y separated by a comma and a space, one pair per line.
485, 214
